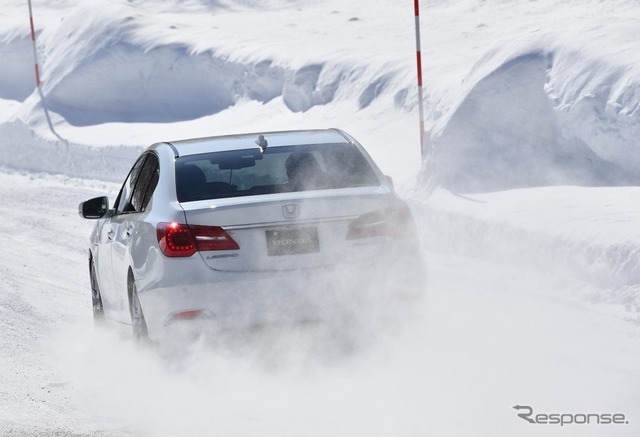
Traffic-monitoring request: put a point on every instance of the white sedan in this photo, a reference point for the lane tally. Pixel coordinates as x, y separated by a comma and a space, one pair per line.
247, 230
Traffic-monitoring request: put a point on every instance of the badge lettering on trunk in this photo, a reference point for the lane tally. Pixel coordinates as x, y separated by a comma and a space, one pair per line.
290, 211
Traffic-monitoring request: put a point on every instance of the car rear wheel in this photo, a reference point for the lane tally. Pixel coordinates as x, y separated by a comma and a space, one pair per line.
96, 297
139, 324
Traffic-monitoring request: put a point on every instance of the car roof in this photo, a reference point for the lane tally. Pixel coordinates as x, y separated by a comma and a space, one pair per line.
197, 146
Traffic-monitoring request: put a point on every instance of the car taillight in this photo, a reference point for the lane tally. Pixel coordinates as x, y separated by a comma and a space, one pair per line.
175, 239
180, 240
212, 238
394, 222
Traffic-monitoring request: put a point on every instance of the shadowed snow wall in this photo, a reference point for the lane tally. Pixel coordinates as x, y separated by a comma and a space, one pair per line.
529, 123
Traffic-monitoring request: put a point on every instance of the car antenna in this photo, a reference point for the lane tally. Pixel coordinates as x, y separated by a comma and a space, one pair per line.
262, 143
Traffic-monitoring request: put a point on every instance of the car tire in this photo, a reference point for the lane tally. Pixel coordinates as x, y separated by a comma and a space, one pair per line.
96, 296
138, 322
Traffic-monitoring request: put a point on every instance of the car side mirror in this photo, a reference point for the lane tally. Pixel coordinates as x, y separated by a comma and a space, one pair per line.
390, 179
94, 208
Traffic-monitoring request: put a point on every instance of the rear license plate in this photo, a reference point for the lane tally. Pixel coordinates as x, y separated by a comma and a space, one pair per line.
292, 241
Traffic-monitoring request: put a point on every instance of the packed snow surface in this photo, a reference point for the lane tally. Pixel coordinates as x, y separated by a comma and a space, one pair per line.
527, 204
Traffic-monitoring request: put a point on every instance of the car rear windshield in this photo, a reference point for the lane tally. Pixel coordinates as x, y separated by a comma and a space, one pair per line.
276, 170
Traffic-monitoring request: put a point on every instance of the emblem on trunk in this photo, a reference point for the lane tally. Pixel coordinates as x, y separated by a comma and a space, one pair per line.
290, 211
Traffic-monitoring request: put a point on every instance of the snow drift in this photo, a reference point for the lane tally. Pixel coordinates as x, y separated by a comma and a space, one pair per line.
108, 67
540, 109
540, 119
524, 228
113, 63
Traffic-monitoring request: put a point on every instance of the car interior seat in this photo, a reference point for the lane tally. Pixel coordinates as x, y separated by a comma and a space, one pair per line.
303, 171
191, 182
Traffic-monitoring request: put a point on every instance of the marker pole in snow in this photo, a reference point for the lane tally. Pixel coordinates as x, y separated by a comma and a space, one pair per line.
419, 63
35, 58
33, 40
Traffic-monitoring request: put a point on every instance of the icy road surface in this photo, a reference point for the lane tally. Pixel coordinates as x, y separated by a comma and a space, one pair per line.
494, 337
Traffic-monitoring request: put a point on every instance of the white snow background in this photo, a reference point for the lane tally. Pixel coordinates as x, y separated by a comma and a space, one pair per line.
528, 207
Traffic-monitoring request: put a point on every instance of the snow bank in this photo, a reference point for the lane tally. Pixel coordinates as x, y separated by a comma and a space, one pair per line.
123, 73
114, 63
536, 98
593, 238
541, 118
25, 150
547, 102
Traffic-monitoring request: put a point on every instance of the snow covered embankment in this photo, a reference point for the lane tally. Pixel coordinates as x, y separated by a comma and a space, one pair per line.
116, 66
540, 119
556, 120
595, 239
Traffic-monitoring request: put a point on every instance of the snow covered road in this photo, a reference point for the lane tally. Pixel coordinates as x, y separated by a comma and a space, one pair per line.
42, 266
494, 336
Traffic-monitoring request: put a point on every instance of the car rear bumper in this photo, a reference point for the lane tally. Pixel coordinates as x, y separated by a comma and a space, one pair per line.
244, 300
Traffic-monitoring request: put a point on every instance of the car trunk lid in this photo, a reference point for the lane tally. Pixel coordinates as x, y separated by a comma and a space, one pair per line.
290, 230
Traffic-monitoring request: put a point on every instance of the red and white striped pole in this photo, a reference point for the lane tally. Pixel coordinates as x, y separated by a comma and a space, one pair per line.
38, 83
419, 63
35, 51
